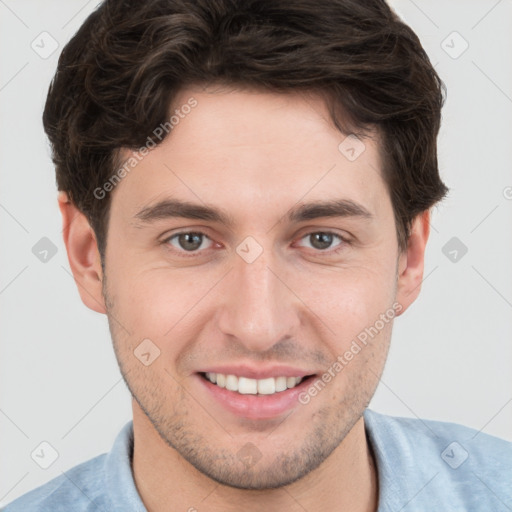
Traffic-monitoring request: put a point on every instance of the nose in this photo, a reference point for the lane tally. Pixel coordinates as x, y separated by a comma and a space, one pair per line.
258, 306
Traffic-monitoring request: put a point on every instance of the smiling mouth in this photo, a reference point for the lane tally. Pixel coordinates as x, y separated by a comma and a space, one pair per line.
247, 386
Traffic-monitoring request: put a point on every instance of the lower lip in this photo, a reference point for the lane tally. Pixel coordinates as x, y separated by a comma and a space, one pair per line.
256, 407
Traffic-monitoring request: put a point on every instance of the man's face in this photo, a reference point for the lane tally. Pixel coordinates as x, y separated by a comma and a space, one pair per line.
266, 295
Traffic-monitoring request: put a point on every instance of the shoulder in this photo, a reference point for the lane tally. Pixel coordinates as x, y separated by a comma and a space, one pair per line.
450, 465
78, 489
423, 433
102, 483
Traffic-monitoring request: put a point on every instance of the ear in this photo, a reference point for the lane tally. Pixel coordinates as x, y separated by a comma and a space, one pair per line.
83, 255
411, 262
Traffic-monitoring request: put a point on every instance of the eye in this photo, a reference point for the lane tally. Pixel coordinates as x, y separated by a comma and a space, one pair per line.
322, 240
187, 241
193, 242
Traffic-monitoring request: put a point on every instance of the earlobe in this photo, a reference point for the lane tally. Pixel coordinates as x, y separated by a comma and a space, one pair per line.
411, 261
83, 255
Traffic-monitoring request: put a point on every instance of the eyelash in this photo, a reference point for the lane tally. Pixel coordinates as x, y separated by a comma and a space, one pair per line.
188, 254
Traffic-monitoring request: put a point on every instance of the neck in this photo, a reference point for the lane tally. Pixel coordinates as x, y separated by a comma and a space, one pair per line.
346, 480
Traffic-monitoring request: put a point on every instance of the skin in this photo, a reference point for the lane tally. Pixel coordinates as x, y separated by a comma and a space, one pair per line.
255, 155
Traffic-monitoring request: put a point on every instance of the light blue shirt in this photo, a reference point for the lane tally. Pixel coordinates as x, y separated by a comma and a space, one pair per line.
422, 465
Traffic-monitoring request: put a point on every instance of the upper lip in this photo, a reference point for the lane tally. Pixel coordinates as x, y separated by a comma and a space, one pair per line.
253, 372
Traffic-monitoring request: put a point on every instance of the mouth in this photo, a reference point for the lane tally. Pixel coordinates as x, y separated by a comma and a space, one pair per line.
245, 391
248, 386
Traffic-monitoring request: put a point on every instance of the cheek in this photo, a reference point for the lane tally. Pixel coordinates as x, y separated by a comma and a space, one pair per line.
358, 310
157, 303
350, 299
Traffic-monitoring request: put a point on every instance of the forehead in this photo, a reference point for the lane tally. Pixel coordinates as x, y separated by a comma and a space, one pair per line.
250, 148
253, 116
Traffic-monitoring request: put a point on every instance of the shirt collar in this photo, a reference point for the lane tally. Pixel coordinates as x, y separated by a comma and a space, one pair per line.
119, 475
124, 495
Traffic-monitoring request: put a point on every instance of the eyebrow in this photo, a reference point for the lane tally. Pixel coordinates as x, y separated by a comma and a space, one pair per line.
174, 208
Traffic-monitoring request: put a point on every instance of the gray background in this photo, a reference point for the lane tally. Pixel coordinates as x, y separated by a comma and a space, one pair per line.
451, 356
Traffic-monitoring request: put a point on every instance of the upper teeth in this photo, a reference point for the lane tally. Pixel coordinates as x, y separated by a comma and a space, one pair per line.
248, 386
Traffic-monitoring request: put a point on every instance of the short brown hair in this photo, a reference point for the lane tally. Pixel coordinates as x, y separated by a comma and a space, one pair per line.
119, 74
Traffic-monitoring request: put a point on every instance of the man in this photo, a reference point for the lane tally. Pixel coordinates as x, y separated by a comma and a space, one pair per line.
246, 189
